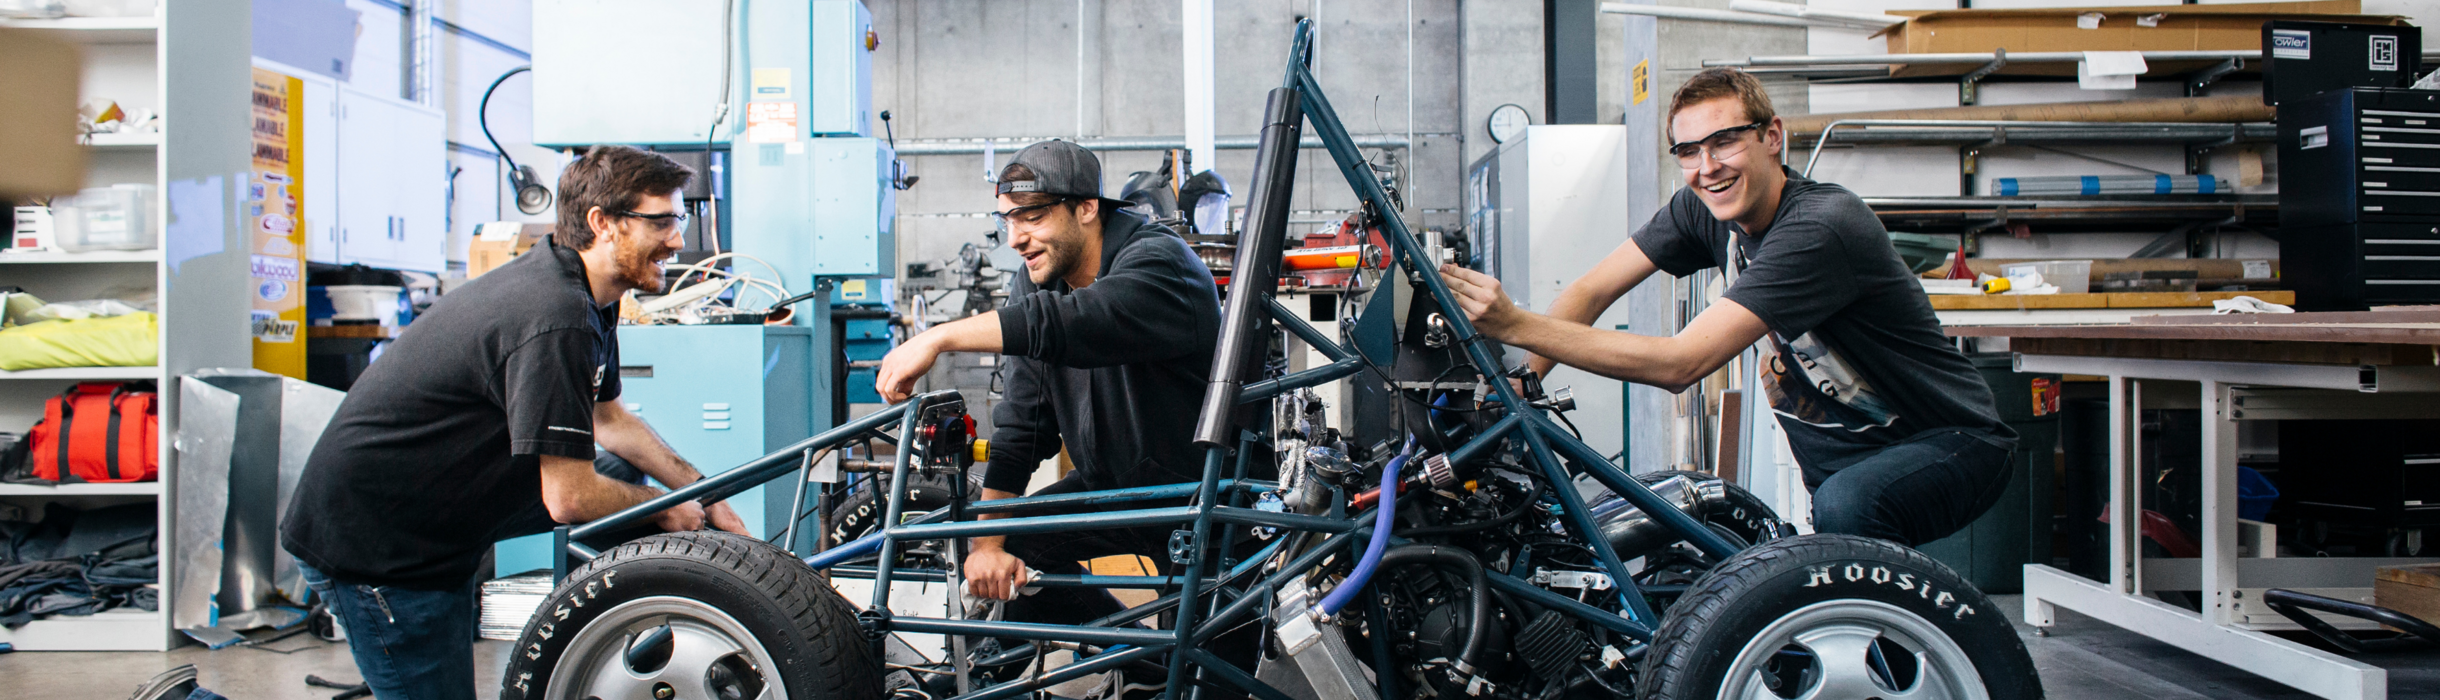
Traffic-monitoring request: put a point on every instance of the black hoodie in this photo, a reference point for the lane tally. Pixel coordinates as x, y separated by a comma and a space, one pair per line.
1118, 368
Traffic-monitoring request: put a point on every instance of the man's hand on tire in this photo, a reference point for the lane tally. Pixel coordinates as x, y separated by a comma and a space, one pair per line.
993, 573
723, 518
684, 517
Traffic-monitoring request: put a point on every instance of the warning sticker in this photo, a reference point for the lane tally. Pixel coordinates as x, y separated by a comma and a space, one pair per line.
770, 122
269, 328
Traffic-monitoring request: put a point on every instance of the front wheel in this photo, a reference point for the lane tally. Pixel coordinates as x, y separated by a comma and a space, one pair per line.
692, 615
1836, 616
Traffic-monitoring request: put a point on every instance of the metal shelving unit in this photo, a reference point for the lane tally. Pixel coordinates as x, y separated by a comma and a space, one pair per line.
1973, 137
2093, 214
197, 74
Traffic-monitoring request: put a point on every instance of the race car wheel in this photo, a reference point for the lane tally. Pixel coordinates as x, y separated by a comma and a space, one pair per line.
1836, 616
692, 616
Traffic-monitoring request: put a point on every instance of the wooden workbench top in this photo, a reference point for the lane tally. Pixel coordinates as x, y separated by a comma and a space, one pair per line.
2392, 336
2103, 300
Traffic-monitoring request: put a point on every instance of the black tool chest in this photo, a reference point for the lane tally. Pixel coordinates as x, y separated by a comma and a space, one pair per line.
2359, 202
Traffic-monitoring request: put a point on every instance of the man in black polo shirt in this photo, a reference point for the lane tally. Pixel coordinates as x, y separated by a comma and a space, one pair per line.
480, 424
1894, 429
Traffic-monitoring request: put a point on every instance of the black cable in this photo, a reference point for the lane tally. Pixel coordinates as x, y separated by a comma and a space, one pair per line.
728, 57
482, 114
1502, 519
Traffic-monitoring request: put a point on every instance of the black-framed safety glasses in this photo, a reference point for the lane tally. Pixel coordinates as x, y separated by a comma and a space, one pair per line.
1025, 214
666, 221
1722, 144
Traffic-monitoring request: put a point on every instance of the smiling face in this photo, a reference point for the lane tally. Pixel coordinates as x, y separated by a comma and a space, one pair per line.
645, 245
1054, 238
1737, 177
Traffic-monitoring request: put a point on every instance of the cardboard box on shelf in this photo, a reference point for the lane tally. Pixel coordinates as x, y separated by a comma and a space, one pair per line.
38, 120
496, 242
2231, 27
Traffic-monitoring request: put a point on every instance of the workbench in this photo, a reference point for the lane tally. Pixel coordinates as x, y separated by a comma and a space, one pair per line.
2354, 365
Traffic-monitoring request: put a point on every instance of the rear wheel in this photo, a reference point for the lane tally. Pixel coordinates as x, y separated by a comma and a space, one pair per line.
1836, 616
692, 616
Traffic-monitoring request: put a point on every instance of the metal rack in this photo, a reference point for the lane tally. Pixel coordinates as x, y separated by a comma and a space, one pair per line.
1972, 137
2184, 214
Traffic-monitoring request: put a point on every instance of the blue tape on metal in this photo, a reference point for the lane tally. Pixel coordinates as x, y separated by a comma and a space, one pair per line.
2007, 187
2160, 184
2092, 185
2207, 184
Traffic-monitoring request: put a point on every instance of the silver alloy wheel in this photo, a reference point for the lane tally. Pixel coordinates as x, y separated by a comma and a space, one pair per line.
1839, 635
707, 649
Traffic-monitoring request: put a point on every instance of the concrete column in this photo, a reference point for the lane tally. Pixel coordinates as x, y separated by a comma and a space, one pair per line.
1570, 70
1195, 19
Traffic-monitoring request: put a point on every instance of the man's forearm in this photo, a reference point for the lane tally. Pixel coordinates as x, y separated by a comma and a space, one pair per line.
991, 541
575, 494
1575, 304
977, 333
629, 437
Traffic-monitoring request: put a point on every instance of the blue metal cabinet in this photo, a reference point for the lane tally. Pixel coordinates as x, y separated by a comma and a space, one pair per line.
721, 396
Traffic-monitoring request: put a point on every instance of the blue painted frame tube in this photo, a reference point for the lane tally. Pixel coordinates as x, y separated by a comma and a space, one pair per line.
1104, 636
1189, 590
1579, 519
1232, 675
751, 474
897, 510
1521, 589
1634, 491
1104, 661
1043, 523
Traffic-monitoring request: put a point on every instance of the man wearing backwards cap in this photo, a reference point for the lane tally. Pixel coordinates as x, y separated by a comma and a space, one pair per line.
1109, 337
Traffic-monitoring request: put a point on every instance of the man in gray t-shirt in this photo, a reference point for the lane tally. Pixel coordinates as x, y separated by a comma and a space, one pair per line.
1894, 429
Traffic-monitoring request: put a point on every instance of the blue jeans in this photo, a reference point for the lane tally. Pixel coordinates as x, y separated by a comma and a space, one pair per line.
409, 644
1921, 489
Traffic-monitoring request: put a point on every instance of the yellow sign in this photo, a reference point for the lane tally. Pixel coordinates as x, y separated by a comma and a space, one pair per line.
274, 216
1640, 80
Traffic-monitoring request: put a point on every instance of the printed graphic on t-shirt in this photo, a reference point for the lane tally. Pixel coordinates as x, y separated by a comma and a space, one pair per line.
1809, 382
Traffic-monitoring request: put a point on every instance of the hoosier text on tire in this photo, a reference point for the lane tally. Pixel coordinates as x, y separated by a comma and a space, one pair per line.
1836, 617
688, 616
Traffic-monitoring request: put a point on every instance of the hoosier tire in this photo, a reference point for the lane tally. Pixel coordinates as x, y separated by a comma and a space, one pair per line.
688, 616
1835, 616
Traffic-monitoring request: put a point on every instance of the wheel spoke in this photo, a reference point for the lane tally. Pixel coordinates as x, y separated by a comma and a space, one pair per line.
1759, 687
1930, 684
1839, 652
697, 649
611, 680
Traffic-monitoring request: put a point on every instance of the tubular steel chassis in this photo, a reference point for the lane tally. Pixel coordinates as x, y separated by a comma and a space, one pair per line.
1226, 599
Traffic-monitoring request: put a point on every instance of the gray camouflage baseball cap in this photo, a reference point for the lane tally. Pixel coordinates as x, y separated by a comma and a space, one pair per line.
1061, 168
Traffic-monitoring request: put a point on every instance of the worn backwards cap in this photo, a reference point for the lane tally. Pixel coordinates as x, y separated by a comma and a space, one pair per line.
1060, 168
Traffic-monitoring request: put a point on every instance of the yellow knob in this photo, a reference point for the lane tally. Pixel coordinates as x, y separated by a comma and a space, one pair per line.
982, 450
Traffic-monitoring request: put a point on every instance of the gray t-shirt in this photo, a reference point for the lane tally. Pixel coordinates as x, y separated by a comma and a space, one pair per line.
1871, 367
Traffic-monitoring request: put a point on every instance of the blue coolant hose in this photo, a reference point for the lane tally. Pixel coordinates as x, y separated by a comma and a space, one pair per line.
1386, 509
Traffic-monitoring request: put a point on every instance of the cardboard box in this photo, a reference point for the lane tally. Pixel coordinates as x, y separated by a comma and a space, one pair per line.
38, 129
2414, 590
496, 242
2234, 27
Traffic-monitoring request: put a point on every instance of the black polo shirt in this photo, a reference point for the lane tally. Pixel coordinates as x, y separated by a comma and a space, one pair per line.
439, 443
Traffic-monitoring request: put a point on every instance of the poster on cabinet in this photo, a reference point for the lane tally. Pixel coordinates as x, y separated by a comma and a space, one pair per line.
274, 209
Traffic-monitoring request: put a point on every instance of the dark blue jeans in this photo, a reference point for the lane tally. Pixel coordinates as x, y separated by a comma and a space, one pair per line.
419, 644
409, 644
1919, 490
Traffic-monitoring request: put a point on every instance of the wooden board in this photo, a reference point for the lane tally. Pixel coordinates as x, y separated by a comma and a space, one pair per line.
2414, 590
363, 331
2387, 314
2230, 351
2108, 300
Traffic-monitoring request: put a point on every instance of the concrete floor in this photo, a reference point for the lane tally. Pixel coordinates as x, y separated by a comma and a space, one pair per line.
2083, 658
